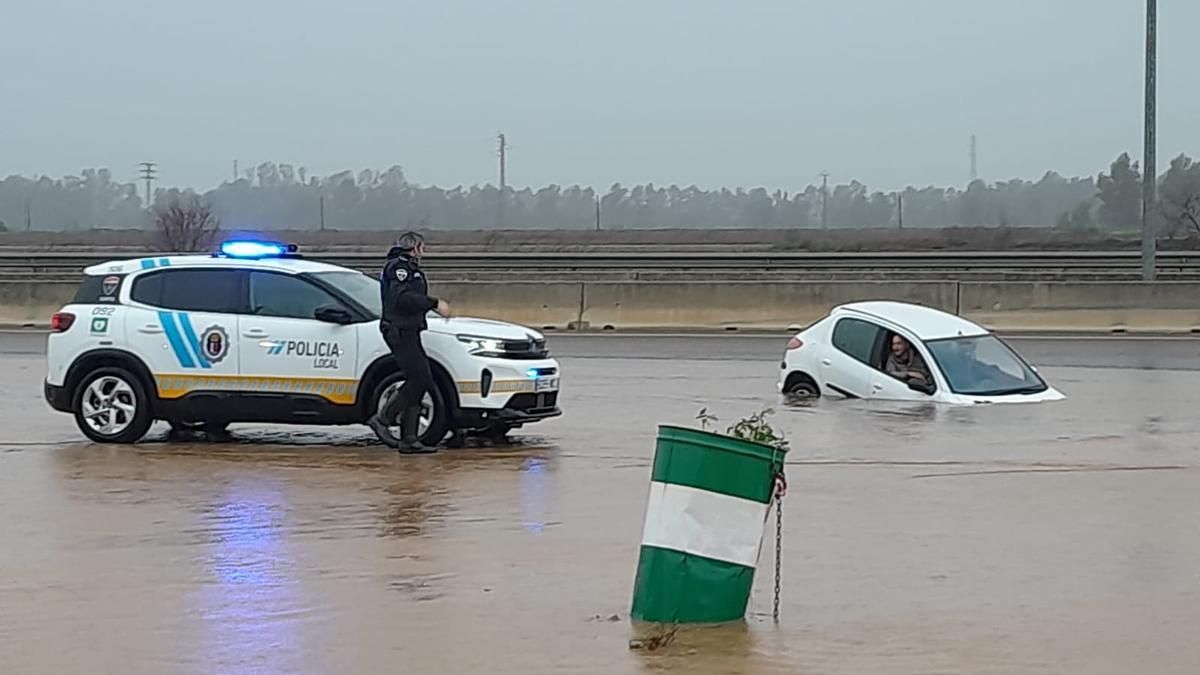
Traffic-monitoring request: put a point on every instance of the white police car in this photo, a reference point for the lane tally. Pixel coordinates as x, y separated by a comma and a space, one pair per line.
256, 333
844, 355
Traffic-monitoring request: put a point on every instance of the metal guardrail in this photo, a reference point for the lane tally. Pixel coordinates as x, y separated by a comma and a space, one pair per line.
52, 265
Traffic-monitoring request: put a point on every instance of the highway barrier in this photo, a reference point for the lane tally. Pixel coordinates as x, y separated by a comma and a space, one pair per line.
1160, 307
65, 265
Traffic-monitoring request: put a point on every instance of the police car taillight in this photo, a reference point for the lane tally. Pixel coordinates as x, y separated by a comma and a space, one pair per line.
60, 322
795, 343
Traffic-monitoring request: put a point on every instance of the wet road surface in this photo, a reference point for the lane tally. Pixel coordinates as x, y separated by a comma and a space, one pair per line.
1037, 539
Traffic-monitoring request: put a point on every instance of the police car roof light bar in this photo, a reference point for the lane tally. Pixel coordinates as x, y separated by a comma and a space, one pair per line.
248, 248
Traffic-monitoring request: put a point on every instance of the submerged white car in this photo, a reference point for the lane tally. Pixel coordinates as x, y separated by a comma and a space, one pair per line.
845, 354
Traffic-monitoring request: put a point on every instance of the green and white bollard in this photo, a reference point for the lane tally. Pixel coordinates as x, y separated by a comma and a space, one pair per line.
709, 499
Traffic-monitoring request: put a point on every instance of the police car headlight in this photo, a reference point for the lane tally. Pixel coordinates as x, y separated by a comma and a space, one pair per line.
482, 346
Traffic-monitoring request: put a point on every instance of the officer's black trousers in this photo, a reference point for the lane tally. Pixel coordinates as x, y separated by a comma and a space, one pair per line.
414, 364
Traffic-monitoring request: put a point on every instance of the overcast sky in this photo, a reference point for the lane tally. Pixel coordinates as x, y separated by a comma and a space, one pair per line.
706, 92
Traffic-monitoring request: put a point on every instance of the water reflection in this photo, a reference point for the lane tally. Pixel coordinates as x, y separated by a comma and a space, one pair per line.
534, 484
415, 501
251, 602
725, 648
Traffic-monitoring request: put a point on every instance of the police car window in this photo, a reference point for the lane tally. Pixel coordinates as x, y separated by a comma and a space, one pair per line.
98, 288
194, 290
856, 338
287, 296
357, 286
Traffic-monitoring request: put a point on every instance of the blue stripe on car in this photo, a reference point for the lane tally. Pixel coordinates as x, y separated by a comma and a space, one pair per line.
167, 319
190, 334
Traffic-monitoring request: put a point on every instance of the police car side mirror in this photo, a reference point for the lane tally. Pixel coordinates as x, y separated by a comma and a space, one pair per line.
333, 315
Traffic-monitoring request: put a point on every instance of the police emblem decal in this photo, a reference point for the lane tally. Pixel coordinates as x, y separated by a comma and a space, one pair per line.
214, 343
401, 274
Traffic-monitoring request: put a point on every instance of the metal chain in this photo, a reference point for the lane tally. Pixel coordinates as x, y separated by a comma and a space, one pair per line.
780, 489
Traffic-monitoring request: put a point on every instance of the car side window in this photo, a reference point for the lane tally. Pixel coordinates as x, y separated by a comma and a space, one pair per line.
190, 290
856, 338
287, 296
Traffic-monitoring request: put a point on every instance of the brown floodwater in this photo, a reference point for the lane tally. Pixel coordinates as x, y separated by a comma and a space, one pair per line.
1049, 538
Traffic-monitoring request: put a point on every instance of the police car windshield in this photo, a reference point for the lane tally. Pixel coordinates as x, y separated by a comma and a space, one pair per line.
357, 286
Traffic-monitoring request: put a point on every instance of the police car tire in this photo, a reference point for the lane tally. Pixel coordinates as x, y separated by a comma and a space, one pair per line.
439, 425
142, 417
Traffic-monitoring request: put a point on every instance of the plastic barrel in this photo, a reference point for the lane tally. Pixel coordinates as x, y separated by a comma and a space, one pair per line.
710, 495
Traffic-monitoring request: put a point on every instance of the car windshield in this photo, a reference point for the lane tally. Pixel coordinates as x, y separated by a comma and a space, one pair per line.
984, 366
359, 287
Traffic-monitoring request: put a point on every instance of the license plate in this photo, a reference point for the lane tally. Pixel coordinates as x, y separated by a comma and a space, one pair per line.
546, 384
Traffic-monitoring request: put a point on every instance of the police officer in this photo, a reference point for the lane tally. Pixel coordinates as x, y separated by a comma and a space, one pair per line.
405, 303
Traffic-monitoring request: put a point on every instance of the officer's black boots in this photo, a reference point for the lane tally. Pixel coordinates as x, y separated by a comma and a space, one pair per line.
409, 426
382, 431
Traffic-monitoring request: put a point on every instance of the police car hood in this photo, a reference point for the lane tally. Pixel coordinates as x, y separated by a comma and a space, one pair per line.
486, 328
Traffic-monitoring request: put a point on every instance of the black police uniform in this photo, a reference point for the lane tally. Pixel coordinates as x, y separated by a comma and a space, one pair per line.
406, 301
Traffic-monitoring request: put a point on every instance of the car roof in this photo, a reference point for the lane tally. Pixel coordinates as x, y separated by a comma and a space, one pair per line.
287, 265
926, 323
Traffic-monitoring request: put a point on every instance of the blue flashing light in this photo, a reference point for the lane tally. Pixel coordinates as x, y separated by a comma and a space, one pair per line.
252, 249
532, 373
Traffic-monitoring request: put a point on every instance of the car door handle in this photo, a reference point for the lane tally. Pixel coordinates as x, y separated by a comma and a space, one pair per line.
826, 362
151, 329
255, 333
877, 387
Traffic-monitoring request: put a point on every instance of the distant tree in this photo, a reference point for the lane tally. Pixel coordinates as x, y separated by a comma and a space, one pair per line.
185, 225
1120, 194
1180, 196
1079, 218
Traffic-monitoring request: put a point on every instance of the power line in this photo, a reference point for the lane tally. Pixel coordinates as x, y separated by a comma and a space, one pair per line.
503, 181
148, 174
974, 159
503, 162
824, 200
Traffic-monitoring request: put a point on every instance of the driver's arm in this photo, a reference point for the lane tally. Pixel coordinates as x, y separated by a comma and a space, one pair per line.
919, 369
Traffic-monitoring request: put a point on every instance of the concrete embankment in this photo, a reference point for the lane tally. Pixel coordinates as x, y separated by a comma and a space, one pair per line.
1166, 307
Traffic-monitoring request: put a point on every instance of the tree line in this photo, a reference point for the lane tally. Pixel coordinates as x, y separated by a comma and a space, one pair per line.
281, 196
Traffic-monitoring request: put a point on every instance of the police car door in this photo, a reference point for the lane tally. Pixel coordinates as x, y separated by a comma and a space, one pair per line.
182, 322
286, 349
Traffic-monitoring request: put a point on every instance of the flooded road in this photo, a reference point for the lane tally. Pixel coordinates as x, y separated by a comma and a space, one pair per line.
1036, 539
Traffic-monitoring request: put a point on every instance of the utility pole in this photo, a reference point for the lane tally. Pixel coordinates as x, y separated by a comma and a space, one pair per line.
235, 171
322, 213
1149, 170
597, 213
900, 209
147, 172
824, 200
503, 181
28, 214
974, 160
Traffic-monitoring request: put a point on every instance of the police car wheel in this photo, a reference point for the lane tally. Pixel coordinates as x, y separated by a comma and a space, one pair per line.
433, 426
111, 406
